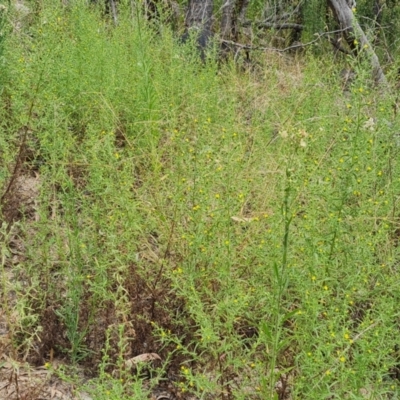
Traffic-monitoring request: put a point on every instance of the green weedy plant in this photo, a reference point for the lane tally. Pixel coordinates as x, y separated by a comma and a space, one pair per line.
272, 333
5, 145
122, 385
71, 308
4, 9
5, 289
241, 226
343, 203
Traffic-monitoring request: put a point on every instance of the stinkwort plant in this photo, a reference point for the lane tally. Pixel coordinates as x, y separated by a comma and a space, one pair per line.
240, 226
272, 333
5, 284
4, 15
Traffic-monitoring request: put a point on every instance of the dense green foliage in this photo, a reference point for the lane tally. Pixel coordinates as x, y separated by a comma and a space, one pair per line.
242, 225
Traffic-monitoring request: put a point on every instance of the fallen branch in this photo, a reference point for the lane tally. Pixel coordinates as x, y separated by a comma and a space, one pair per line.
275, 25
356, 38
292, 47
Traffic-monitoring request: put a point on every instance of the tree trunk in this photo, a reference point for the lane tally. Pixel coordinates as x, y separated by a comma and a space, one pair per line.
243, 4
227, 19
199, 14
233, 15
113, 7
356, 37
199, 19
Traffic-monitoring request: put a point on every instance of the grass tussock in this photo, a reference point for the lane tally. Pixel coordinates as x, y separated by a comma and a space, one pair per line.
243, 227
